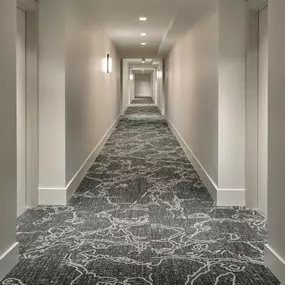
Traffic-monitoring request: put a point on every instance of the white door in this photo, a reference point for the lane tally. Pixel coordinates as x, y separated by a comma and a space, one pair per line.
263, 111
21, 111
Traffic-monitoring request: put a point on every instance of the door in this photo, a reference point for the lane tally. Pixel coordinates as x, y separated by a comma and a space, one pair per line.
21, 111
263, 111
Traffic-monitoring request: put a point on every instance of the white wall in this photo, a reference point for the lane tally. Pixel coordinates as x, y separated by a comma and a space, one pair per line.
21, 111
93, 99
153, 86
79, 101
192, 91
232, 50
126, 85
251, 108
32, 105
251, 104
131, 90
263, 111
275, 253
160, 89
52, 95
205, 98
143, 85
8, 146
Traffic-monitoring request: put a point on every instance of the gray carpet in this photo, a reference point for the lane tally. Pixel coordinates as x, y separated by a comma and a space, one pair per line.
142, 100
141, 216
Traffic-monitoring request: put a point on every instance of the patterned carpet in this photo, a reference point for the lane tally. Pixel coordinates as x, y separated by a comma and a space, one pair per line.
141, 216
142, 100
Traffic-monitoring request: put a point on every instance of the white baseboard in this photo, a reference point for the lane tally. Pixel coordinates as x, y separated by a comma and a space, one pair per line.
125, 109
21, 210
79, 176
275, 263
231, 197
160, 110
61, 196
207, 180
53, 196
222, 197
9, 259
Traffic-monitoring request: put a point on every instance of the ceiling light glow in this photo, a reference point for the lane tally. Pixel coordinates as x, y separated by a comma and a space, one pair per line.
143, 18
143, 44
143, 34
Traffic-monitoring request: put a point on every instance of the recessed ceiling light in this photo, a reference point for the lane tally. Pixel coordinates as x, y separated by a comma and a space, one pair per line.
143, 44
143, 34
143, 18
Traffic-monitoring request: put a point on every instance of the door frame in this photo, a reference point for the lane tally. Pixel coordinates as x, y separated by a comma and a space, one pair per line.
31, 7
252, 103
262, 184
21, 112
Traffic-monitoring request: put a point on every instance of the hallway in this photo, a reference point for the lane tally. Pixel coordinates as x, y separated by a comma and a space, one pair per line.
141, 216
142, 100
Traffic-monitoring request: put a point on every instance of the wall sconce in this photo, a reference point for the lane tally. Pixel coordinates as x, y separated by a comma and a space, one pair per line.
108, 64
131, 76
158, 74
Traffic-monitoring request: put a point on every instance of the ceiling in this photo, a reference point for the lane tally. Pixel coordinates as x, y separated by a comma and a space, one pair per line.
167, 21
257, 4
136, 66
27, 5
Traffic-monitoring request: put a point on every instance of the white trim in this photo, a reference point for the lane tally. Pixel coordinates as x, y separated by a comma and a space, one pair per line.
61, 196
160, 110
9, 259
275, 263
78, 177
231, 197
52, 196
123, 112
21, 210
251, 111
207, 180
223, 197
32, 106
